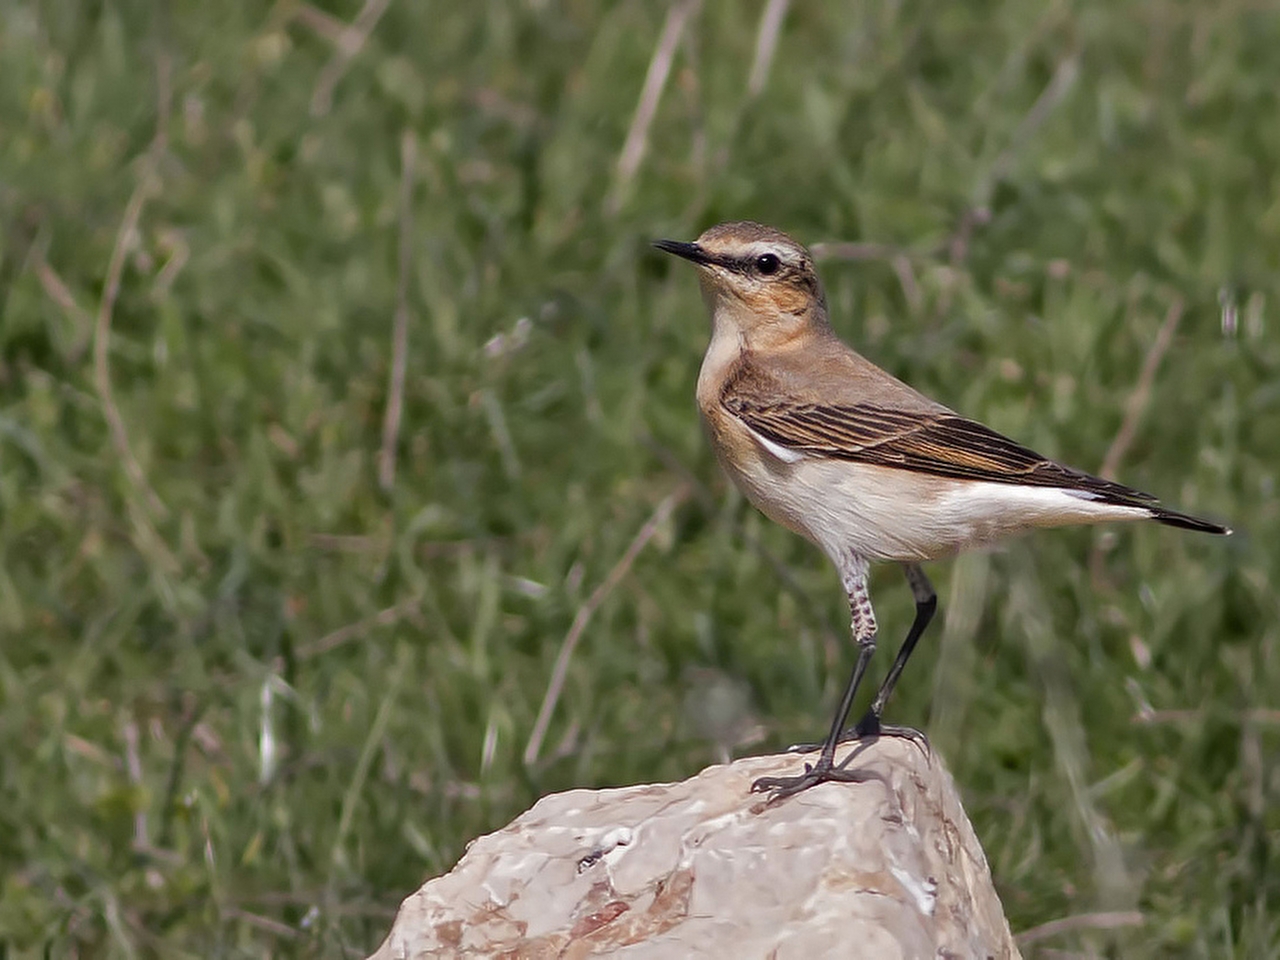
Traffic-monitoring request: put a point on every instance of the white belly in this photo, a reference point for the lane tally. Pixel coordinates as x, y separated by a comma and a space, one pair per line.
882, 513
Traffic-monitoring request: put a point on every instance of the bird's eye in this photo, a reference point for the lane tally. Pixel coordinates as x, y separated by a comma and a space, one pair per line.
767, 264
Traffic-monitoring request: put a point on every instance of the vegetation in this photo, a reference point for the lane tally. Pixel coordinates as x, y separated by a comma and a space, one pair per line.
269, 658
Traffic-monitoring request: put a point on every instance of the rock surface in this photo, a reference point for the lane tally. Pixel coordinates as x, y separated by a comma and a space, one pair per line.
888, 868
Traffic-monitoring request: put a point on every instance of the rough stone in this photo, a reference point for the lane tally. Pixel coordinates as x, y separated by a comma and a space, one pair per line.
887, 868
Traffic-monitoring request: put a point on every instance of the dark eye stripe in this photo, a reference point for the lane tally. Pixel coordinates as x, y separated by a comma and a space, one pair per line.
752, 265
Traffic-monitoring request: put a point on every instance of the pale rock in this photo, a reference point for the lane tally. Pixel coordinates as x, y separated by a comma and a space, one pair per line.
887, 868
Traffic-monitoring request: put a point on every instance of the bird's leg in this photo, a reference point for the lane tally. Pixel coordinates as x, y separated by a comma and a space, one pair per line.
926, 605
864, 634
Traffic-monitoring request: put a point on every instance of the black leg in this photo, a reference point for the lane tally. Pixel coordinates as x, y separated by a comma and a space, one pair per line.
825, 769
864, 632
926, 605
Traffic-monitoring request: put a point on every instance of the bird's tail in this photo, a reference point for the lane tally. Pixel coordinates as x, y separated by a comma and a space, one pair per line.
1187, 522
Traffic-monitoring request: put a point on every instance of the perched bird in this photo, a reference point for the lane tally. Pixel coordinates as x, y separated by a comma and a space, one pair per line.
829, 445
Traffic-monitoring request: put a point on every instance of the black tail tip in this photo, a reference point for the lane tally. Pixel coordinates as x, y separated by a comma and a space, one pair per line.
1173, 518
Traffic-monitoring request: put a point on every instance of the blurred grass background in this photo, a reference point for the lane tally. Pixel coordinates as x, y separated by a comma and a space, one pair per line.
258, 680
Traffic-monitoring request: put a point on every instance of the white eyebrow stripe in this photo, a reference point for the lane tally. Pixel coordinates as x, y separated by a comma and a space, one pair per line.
749, 252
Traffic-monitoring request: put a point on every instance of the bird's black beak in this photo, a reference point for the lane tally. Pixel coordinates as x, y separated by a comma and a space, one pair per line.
689, 251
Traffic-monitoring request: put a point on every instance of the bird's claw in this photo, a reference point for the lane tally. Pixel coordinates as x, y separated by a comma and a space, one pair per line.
824, 771
870, 728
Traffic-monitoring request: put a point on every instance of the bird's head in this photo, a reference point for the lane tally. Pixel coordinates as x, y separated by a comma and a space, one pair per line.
755, 279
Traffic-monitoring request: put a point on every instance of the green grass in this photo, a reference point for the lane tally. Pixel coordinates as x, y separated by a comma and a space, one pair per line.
188, 768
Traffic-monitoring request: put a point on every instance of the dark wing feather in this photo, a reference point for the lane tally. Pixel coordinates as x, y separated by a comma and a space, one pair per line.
941, 443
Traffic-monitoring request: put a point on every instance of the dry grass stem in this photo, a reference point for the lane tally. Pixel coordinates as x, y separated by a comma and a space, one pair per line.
1135, 407
655, 81
957, 247
350, 43
775, 12
1260, 716
383, 618
400, 324
57, 290
1138, 400
1054, 93
179, 253
1113, 920
321, 23
360, 776
587, 610
133, 767
907, 278
262, 923
1063, 721
102, 345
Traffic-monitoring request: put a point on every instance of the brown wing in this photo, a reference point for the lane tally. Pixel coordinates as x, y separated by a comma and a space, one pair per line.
939, 443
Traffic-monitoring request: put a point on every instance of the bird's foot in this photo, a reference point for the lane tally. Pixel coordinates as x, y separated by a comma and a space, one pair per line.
826, 770
870, 728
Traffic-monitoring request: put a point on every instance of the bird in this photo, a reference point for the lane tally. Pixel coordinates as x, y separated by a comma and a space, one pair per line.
832, 447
